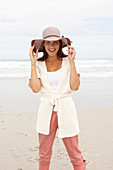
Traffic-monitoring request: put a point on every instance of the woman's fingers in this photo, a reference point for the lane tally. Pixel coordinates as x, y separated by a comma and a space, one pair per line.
33, 46
71, 49
31, 54
31, 50
37, 52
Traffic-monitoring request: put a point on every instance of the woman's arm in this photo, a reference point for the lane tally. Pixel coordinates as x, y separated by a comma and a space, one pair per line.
34, 82
74, 77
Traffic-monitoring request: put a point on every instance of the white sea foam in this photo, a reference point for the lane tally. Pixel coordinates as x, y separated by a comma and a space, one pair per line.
87, 68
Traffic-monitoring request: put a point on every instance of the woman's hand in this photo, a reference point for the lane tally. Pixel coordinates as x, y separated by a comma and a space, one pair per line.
33, 57
71, 53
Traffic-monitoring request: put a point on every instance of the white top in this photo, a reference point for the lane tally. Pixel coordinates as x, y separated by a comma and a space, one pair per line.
53, 78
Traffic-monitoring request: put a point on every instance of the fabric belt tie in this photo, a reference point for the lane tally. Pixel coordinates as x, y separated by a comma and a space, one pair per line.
56, 100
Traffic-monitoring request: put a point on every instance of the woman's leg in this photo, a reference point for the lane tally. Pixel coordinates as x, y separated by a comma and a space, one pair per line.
72, 147
46, 143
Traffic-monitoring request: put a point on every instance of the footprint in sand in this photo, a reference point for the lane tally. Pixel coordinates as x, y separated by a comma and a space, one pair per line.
33, 149
31, 159
2, 121
24, 134
15, 155
21, 133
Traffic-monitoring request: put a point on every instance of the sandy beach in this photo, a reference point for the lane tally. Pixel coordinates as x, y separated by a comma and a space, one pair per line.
18, 114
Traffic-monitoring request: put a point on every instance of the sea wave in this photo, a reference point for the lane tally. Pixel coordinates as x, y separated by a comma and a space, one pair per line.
87, 68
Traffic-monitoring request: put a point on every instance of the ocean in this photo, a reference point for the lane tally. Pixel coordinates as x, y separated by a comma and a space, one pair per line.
87, 68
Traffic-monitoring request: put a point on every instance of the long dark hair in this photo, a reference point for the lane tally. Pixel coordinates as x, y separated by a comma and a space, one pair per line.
60, 53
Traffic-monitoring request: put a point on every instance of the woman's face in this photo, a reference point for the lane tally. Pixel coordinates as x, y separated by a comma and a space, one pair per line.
52, 47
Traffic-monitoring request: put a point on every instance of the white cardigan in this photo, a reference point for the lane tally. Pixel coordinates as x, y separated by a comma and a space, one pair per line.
67, 116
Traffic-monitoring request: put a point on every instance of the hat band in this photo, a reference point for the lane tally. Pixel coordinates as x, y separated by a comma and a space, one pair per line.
51, 36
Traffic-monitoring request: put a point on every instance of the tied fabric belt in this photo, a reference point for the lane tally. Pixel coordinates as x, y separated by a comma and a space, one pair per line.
56, 100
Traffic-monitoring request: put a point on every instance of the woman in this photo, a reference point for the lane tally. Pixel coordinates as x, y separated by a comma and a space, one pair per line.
55, 76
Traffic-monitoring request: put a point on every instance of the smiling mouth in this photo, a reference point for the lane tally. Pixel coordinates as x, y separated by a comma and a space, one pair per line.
52, 50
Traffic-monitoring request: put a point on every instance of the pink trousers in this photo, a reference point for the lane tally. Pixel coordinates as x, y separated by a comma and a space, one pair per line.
46, 143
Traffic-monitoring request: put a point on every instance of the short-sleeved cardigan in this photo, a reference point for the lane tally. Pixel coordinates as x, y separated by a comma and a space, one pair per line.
67, 116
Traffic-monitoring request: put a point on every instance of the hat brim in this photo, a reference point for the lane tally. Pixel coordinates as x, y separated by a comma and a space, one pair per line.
39, 42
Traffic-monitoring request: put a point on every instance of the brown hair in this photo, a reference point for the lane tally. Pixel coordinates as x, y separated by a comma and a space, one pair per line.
60, 53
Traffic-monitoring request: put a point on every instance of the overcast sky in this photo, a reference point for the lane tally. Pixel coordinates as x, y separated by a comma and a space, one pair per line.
88, 23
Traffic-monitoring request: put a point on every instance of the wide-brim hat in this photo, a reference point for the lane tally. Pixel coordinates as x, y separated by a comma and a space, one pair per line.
50, 34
